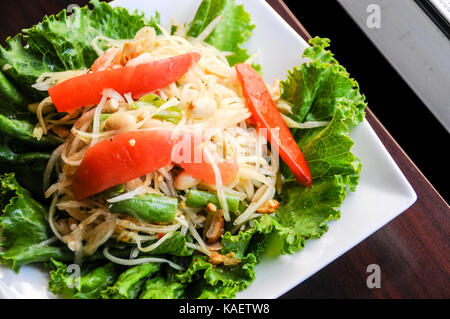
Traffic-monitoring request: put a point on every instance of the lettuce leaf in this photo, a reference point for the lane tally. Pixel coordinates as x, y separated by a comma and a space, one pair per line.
91, 283
11, 100
62, 42
202, 290
323, 90
27, 166
318, 206
230, 33
23, 227
21, 153
327, 149
267, 237
315, 89
22, 67
19, 127
201, 273
130, 282
158, 288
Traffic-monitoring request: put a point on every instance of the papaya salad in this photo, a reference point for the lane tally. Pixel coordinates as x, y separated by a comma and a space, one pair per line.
136, 121
173, 156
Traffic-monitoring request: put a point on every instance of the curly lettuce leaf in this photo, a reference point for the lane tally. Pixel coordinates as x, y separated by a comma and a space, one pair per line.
323, 90
159, 288
217, 291
201, 273
88, 286
220, 281
24, 227
22, 67
267, 238
130, 282
230, 33
327, 149
308, 210
63, 42
315, 89
65, 39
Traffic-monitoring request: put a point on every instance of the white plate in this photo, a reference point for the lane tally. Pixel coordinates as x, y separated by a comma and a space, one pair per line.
382, 194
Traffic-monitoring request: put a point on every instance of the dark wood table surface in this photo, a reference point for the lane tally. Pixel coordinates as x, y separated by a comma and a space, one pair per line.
412, 250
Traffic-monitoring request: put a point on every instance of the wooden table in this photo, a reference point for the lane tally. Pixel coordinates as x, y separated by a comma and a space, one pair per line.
412, 250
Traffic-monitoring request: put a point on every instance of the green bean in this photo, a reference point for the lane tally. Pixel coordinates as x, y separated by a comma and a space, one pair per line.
150, 208
197, 198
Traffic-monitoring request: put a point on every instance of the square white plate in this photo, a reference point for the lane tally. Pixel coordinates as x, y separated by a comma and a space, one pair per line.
382, 194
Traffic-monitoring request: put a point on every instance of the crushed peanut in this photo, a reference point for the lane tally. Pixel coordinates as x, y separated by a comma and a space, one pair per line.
228, 259
268, 207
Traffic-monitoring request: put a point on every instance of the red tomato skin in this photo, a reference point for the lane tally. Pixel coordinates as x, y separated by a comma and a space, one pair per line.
266, 115
121, 158
139, 80
196, 162
205, 171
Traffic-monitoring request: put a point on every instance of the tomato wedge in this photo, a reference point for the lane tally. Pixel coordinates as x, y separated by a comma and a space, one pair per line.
130, 155
120, 159
138, 79
196, 163
205, 170
266, 115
